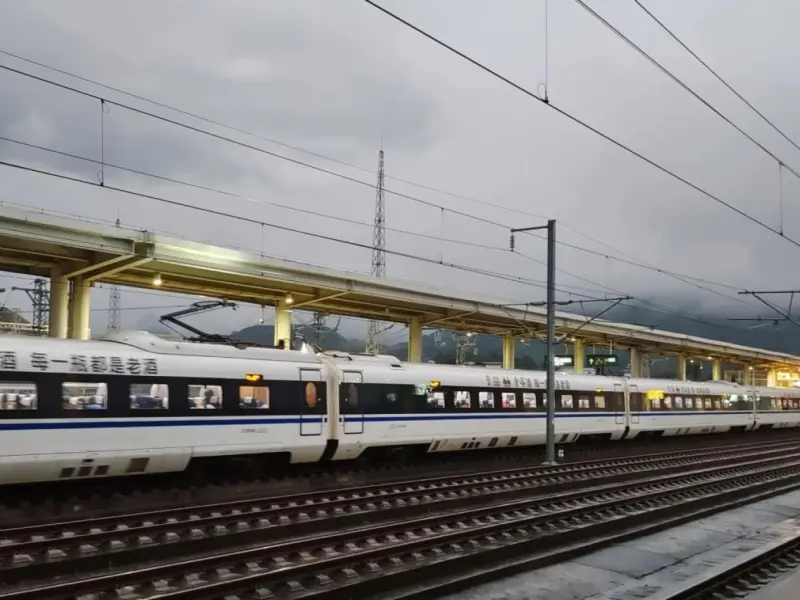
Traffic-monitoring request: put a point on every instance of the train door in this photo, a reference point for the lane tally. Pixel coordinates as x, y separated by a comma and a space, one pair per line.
351, 412
634, 403
313, 414
619, 404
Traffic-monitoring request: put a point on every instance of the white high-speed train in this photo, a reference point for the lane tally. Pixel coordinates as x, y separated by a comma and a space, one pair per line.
134, 403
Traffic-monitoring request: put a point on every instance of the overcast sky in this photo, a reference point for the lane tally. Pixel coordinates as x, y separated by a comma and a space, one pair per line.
336, 77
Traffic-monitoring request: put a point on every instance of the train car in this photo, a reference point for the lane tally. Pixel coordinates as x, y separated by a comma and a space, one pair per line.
777, 408
134, 404
661, 407
387, 406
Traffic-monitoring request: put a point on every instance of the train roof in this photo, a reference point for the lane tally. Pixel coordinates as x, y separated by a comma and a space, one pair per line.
470, 376
143, 341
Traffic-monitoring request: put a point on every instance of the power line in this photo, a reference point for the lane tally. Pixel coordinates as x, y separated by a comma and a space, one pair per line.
237, 142
289, 146
715, 74
584, 124
502, 276
317, 236
677, 80
659, 309
630, 260
687, 279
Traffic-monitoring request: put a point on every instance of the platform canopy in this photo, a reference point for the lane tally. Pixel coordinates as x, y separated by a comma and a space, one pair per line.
33, 243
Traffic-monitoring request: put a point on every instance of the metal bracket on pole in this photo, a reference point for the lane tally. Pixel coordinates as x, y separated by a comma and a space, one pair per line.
785, 316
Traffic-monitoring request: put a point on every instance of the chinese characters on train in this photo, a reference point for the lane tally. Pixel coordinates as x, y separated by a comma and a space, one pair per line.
524, 382
688, 389
81, 363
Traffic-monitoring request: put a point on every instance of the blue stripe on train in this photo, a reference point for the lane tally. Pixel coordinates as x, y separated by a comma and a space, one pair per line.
312, 420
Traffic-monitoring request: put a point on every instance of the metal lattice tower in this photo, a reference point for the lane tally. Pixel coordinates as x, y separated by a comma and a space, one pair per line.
41, 305
115, 309
464, 343
39, 295
115, 304
378, 252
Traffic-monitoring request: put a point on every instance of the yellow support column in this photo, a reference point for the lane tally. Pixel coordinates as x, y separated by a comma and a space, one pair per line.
681, 368
414, 341
772, 378
79, 307
283, 324
508, 351
578, 357
716, 370
59, 304
747, 375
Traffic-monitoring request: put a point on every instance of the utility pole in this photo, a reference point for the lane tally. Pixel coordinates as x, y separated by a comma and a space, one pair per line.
378, 251
550, 456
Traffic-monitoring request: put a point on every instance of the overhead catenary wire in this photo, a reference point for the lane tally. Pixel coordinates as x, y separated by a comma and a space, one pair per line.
627, 260
501, 276
353, 221
584, 124
715, 74
317, 236
684, 278
657, 308
487, 221
684, 85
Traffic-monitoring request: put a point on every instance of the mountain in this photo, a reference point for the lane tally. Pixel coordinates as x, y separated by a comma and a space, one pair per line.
487, 349
329, 340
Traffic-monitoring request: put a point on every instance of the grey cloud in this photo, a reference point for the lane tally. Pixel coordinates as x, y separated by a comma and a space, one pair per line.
333, 77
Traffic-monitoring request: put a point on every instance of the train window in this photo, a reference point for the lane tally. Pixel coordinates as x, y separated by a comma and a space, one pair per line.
599, 402
707, 403
253, 396
486, 399
435, 399
18, 396
656, 403
529, 399
350, 395
566, 401
84, 396
583, 402
668, 402
149, 396
462, 400
717, 404
678, 402
312, 397
205, 396
689, 403
509, 400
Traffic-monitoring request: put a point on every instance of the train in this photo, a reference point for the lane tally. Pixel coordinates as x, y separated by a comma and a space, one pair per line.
132, 403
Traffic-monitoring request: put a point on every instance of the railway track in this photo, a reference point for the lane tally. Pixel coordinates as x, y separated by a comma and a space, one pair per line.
742, 576
37, 502
367, 540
